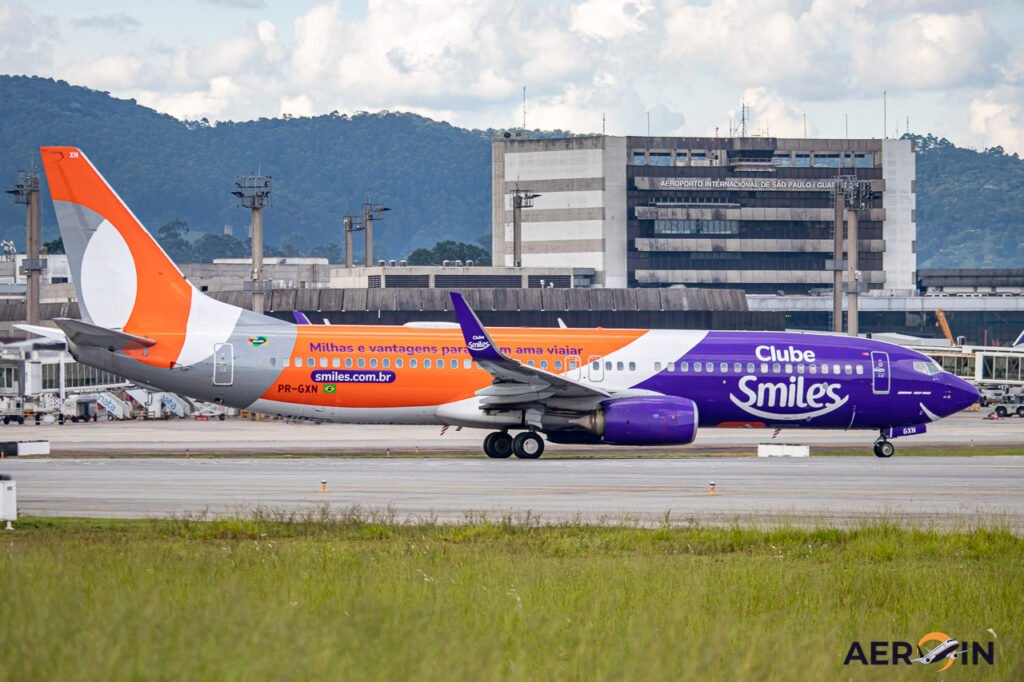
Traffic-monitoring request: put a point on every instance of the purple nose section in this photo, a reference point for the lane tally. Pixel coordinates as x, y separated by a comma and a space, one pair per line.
964, 393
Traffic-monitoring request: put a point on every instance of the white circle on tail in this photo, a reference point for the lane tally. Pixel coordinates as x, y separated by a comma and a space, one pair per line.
108, 278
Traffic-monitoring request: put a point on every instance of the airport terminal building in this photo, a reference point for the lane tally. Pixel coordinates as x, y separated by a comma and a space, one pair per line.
755, 213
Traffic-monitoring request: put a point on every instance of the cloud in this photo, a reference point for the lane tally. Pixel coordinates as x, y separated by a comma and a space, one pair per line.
466, 61
930, 51
120, 22
241, 4
26, 45
768, 113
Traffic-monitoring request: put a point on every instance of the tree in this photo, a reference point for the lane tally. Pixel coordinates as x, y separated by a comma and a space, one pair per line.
54, 245
171, 236
451, 251
212, 246
332, 252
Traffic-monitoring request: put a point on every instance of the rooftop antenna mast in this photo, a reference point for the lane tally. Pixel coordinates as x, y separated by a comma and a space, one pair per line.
743, 118
524, 108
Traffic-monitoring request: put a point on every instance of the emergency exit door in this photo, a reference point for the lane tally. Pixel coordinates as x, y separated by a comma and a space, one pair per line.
880, 375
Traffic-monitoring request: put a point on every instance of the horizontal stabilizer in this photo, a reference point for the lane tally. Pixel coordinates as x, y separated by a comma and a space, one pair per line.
85, 334
46, 332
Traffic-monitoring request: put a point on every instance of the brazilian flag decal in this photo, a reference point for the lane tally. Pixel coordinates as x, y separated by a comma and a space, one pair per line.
330, 388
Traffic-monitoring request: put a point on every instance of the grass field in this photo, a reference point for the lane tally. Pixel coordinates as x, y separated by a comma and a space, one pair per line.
354, 597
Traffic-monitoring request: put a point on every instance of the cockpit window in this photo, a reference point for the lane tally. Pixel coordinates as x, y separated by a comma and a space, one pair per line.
925, 367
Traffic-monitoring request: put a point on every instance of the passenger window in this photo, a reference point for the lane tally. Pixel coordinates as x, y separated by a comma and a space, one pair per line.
764, 368
285, 363
412, 363
298, 362
684, 366
696, 367
657, 366
595, 366
385, 363
558, 364
737, 368
348, 362
273, 362
800, 369
467, 364
750, 368
860, 369
723, 368
310, 362
813, 369
439, 364
671, 367
373, 362
836, 370
361, 362
398, 363
426, 363
824, 369
543, 364
530, 363
709, 366
789, 368
776, 368
323, 362
848, 369
619, 366
608, 365
632, 366
454, 364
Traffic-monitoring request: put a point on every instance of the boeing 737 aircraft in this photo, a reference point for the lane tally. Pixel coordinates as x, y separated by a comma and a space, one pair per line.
143, 320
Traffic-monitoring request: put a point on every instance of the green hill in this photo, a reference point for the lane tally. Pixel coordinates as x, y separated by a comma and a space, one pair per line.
435, 177
970, 210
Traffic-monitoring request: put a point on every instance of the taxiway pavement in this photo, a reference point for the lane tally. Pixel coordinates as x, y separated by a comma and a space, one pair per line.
935, 491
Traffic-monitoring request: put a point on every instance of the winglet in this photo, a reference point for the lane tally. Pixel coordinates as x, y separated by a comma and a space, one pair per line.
1019, 341
300, 317
478, 341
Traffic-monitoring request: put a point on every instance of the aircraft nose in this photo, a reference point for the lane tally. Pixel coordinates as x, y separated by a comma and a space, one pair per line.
963, 393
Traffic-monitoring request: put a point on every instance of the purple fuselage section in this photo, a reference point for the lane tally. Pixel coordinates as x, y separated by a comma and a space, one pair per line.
791, 380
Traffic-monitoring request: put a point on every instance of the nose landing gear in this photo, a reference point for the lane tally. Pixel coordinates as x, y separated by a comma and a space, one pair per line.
883, 447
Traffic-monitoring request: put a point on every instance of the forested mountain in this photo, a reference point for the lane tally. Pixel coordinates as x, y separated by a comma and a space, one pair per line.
434, 177
970, 206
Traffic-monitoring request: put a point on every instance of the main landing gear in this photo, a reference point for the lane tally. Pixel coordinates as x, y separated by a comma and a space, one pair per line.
883, 447
526, 445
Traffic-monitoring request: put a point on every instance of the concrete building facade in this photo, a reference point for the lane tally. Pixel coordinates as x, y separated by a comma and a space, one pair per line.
755, 213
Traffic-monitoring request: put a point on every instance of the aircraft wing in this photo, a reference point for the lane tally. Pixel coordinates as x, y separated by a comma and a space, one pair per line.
514, 383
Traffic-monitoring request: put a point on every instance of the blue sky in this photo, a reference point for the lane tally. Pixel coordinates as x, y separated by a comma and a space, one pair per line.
954, 68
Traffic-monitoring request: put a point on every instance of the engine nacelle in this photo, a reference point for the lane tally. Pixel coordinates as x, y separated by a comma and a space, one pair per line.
647, 420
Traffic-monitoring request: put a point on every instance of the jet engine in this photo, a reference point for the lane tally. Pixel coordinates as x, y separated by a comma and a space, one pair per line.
647, 420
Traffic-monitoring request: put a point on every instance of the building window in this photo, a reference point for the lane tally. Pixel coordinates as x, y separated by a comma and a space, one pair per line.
782, 160
693, 226
660, 159
864, 161
826, 160
639, 159
802, 161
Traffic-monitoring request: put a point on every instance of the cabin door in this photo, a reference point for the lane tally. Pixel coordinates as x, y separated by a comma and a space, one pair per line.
223, 364
880, 377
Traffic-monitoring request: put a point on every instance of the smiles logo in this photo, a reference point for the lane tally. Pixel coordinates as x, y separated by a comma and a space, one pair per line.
257, 341
478, 344
797, 398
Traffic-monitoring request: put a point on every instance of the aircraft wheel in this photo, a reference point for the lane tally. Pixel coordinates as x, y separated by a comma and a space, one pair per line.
498, 445
528, 445
884, 449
